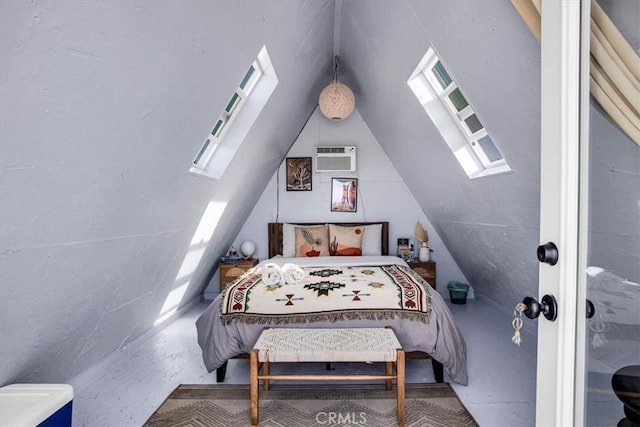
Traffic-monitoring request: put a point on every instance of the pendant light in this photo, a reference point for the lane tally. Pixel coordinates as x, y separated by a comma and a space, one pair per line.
336, 100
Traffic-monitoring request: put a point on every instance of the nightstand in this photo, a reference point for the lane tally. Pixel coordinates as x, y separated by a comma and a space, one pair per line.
426, 270
230, 271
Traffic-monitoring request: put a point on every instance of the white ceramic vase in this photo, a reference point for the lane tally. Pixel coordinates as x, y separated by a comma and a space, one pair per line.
424, 254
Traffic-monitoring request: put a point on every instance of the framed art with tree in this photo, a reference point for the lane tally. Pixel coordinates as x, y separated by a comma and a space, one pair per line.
298, 173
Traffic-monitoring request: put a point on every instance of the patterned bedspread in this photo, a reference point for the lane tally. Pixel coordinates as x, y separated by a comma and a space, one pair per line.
330, 294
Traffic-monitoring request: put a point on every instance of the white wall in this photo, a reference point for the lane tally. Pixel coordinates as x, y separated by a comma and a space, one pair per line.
382, 196
490, 224
103, 106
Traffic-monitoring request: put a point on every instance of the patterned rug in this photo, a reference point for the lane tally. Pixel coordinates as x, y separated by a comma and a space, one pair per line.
311, 405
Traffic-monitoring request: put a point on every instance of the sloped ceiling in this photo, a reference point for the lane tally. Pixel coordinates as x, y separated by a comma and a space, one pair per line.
490, 225
104, 104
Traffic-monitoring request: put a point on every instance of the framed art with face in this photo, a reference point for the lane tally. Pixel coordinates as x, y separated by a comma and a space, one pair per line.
344, 194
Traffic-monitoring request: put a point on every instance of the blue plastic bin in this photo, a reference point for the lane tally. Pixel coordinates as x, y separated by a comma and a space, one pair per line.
42, 405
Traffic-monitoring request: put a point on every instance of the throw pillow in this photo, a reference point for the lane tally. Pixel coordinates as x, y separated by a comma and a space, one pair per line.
312, 241
289, 238
345, 240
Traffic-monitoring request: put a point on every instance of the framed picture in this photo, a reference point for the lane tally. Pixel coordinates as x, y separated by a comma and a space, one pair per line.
344, 194
298, 173
405, 248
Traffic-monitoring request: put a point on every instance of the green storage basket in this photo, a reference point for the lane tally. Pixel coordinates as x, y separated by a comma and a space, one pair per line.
458, 292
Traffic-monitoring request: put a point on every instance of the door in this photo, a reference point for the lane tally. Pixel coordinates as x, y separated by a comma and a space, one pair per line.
608, 337
590, 192
560, 215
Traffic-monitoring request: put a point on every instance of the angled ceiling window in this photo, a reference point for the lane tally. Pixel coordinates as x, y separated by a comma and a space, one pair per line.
455, 118
237, 116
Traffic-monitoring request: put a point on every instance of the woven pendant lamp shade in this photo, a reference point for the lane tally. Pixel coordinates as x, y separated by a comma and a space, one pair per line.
337, 101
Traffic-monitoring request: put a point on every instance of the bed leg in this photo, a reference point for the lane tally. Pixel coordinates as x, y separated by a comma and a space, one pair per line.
438, 371
221, 372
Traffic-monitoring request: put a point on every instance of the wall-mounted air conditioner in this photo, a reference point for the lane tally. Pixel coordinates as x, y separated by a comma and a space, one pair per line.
335, 159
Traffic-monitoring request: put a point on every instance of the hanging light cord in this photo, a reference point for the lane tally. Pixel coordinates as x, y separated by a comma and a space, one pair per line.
285, 157
334, 78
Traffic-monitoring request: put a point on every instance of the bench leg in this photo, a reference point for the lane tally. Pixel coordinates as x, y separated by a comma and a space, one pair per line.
266, 369
221, 372
388, 371
400, 379
253, 374
438, 370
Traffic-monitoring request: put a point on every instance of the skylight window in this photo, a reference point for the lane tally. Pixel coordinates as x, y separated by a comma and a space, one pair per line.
228, 114
236, 119
455, 118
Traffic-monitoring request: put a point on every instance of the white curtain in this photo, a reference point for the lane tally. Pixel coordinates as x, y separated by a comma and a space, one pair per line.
615, 66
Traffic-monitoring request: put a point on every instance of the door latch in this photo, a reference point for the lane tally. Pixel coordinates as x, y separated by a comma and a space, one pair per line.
591, 309
548, 307
548, 253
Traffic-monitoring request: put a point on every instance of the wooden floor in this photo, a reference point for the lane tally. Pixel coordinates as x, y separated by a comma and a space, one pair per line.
125, 389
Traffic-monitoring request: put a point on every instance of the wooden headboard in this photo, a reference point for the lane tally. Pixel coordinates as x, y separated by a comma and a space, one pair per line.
275, 234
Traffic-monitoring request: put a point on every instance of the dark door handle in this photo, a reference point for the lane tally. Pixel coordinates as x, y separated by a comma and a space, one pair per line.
547, 306
548, 253
591, 309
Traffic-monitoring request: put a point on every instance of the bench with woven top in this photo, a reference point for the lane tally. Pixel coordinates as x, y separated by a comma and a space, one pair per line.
327, 345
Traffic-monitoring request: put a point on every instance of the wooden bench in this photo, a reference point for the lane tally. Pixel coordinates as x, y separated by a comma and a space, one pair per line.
327, 345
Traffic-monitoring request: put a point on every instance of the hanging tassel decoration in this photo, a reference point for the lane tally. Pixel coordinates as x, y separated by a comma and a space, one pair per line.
517, 323
598, 327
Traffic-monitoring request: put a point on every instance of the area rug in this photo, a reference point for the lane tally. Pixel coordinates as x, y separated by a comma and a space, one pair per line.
228, 405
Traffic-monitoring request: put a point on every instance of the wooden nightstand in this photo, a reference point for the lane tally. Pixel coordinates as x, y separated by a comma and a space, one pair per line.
230, 271
426, 270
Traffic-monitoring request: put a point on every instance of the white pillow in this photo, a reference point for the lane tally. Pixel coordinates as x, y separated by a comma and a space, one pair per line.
289, 238
372, 240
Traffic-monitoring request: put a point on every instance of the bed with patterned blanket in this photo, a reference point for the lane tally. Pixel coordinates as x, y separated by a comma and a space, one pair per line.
334, 292
369, 290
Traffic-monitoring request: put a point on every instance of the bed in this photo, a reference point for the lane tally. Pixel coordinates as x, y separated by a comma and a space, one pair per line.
231, 324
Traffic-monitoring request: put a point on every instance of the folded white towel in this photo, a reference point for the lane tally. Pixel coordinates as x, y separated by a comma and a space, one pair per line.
272, 274
292, 274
